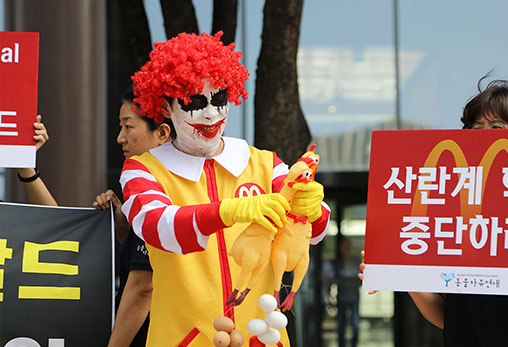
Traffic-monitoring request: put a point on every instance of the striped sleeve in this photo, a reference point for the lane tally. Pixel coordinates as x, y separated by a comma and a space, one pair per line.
320, 225
280, 172
159, 222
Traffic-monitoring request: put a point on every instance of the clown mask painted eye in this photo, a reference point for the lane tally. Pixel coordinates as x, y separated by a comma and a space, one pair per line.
220, 98
197, 102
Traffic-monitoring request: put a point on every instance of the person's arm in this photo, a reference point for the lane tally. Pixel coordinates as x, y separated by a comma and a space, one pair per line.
185, 229
133, 309
102, 202
36, 190
431, 306
320, 225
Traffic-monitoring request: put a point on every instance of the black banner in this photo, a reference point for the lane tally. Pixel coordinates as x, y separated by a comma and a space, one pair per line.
56, 276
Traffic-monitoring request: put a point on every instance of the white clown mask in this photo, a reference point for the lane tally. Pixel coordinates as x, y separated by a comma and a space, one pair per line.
199, 124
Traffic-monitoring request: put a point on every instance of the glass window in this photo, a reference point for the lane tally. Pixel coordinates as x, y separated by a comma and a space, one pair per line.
346, 71
375, 311
443, 55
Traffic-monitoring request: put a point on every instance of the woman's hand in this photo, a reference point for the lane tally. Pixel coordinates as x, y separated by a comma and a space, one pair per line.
41, 134
103, 201
361, 275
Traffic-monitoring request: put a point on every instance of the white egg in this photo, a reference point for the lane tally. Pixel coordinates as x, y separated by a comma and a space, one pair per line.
267, 302
276, 320
257, 326
271, 337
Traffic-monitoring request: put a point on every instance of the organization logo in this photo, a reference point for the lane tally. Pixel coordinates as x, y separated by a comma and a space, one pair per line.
248, 189
449, 145
447, 277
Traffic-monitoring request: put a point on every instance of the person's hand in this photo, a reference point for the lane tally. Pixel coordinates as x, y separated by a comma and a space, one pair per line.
103, 201
41, 134
361, 275
307, 200
264, 209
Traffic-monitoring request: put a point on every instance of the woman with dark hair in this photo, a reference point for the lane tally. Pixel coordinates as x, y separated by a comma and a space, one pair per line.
488, 109
473, 319
137, 135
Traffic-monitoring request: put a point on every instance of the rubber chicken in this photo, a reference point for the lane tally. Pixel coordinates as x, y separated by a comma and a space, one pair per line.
251, 250
253, 247
290, 249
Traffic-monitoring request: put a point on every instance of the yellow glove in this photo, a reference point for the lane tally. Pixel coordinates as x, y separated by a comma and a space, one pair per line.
263, 209
307, 200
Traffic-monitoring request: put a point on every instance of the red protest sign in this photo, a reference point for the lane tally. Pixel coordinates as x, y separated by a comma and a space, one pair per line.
436, 211
19, 56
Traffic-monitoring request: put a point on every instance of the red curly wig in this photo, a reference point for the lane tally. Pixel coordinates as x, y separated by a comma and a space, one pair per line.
178, 67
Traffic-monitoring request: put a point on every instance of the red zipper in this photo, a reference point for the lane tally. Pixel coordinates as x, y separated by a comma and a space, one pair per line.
227, 286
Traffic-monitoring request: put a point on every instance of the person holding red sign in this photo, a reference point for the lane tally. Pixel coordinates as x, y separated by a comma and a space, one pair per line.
36, 190
471, 319
188, 199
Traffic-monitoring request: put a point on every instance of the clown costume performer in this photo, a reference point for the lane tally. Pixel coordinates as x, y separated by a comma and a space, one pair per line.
189, 199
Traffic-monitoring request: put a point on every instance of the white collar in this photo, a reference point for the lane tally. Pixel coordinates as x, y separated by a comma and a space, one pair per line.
234, 158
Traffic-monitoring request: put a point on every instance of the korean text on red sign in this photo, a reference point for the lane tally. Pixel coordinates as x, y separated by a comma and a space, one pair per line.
19, 56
